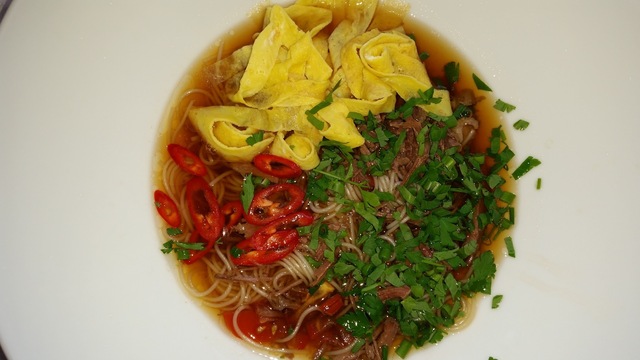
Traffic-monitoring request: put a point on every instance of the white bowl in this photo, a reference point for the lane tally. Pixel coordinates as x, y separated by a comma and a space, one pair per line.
84, 86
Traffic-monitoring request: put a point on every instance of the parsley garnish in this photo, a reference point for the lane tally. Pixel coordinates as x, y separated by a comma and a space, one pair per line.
181, 248
484, 269
255, 138
174, 231
249, 185
440, 198
247, 192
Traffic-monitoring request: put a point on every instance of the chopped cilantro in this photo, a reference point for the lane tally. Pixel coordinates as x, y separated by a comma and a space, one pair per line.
255, 138
439, 198
247, 192
181, 248
484, 269
174, 231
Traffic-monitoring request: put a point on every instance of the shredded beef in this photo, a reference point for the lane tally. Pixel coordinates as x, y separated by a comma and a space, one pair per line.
394, 292
390, 329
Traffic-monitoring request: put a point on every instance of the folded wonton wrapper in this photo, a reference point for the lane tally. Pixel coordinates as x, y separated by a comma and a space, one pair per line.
292, 66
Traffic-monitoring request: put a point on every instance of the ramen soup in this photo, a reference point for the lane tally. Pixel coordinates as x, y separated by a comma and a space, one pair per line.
330, 181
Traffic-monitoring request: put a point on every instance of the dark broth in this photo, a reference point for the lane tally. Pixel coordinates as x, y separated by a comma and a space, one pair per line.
440, 52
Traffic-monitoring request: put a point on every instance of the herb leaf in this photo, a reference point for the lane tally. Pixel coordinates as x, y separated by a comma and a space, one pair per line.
521, 124
317, 123
246, 196
452, 72
480, 85
174, 231
255, 138
529, 163
500, 105
495, 301
181, 248
511, 251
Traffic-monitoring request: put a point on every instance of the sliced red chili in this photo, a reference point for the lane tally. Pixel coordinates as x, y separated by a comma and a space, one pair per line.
264, 249
273, 202
167, 208
331, 305
204, 209
273, 241
277, 166
195, 255
301, 218
187, 160
232, 212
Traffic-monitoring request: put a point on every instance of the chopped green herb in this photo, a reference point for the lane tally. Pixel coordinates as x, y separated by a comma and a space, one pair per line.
484, 269
317, 123
247, 192
503, 106
403, 349
235, 252
511, 251
539, 184
174, 231
480, 85
495, 301
181, 248
255, 138
359, 343
423, 56
418, 259
452, 72
529, 163
521, 124
357, 323
384, 352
